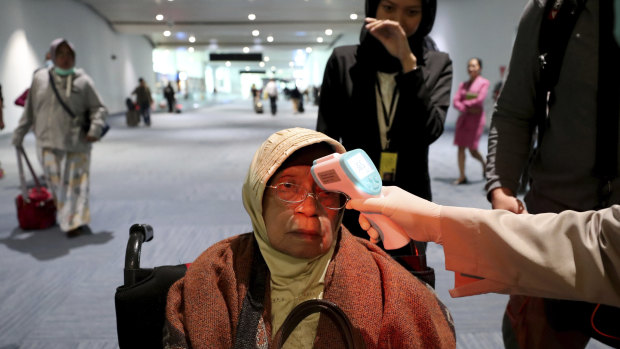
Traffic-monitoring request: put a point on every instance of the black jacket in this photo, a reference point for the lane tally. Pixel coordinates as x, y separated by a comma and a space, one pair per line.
348, 111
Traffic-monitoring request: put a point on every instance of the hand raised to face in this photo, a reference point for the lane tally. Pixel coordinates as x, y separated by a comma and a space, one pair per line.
396, 21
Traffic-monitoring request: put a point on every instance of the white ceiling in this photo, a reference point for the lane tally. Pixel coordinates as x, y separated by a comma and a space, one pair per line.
223, 26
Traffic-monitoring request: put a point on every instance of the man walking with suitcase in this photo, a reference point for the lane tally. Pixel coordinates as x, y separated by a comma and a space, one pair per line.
144, 100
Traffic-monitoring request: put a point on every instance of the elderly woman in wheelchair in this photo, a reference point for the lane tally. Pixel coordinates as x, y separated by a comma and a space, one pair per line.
239, 292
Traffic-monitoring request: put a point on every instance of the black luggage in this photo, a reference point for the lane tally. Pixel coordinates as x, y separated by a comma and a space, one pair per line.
133, 118
258, 107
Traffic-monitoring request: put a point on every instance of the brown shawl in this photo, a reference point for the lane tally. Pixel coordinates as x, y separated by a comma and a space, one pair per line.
388, 306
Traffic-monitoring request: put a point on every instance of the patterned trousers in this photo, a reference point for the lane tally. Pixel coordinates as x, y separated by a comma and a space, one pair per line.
68, 175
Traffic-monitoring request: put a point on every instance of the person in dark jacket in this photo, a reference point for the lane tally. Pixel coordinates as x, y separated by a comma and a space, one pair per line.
389, 96
169, 96
144, 100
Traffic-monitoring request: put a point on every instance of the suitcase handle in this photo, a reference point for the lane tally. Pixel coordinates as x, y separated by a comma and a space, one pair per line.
21, 152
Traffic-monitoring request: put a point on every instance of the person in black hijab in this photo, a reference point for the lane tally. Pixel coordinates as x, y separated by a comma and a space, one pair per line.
389, 96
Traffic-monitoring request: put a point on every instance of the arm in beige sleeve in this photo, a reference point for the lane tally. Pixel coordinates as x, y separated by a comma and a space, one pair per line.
571, 255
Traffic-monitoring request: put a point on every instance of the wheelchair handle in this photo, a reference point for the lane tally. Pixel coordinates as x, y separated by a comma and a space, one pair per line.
138, 233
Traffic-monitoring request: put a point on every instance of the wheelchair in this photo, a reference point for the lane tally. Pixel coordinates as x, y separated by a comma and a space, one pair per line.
141, 301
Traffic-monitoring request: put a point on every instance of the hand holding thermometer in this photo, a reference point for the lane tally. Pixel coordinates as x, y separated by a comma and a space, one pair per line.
354, 174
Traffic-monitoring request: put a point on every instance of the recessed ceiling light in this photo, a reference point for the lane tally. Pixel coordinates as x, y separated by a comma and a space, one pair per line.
167, 33
246, 49
319, 39
273, 68
251, 16
247, 68
328, 32
270, 38
228, 63
255, 32
190, 50
261, 64
353, 16
159, 17
308, 49
192, 38
266, 58
291, 64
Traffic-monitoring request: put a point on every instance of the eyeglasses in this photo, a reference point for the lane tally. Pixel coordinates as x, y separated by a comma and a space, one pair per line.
294, 194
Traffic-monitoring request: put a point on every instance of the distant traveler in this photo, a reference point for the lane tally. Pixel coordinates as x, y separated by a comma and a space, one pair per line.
469, 100
271, 89
62, 142
169, 96
144, 100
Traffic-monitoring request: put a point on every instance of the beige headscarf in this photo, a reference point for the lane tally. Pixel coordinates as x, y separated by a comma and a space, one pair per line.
293, 280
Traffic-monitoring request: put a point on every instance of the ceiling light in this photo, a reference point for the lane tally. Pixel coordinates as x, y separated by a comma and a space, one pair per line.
246, 49
192, 38
273, 68
251, 16
270, 38
328, 32
247, 68
159, 17
261, 64
190, 50
291, 64
167, 33
319, 39
308, 49
353, 16
228, 63
255, 32
266, 58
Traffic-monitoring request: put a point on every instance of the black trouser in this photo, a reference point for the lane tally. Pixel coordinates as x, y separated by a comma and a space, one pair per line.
274, 106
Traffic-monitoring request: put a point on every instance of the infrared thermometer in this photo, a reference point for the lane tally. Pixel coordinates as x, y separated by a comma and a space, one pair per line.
354, 174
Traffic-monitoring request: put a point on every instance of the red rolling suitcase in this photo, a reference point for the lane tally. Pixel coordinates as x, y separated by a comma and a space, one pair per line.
35, 207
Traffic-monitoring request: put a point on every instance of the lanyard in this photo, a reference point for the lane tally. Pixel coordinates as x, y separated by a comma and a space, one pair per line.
387, 118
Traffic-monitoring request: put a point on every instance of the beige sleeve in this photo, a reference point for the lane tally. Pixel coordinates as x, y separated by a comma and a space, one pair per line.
571, 255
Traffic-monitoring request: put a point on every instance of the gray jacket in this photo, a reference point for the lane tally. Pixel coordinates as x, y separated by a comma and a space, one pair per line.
53, 126
561, 171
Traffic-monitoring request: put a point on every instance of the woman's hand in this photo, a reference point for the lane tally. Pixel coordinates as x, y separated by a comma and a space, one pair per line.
503, 199
418, 217
394, 39
91, 139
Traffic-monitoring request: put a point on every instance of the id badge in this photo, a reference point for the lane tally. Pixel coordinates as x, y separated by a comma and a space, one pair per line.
387, 166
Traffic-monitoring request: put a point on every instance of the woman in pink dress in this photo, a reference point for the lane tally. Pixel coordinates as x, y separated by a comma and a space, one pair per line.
469, 100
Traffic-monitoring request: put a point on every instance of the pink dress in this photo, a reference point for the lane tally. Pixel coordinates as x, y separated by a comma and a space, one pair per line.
469, 100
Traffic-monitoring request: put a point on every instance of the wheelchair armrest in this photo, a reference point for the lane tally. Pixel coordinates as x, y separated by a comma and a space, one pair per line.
138, 233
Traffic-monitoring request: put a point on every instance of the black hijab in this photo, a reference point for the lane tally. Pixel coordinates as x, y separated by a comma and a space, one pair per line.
372, 51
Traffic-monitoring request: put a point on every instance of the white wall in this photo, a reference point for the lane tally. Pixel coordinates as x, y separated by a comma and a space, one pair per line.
27, 27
